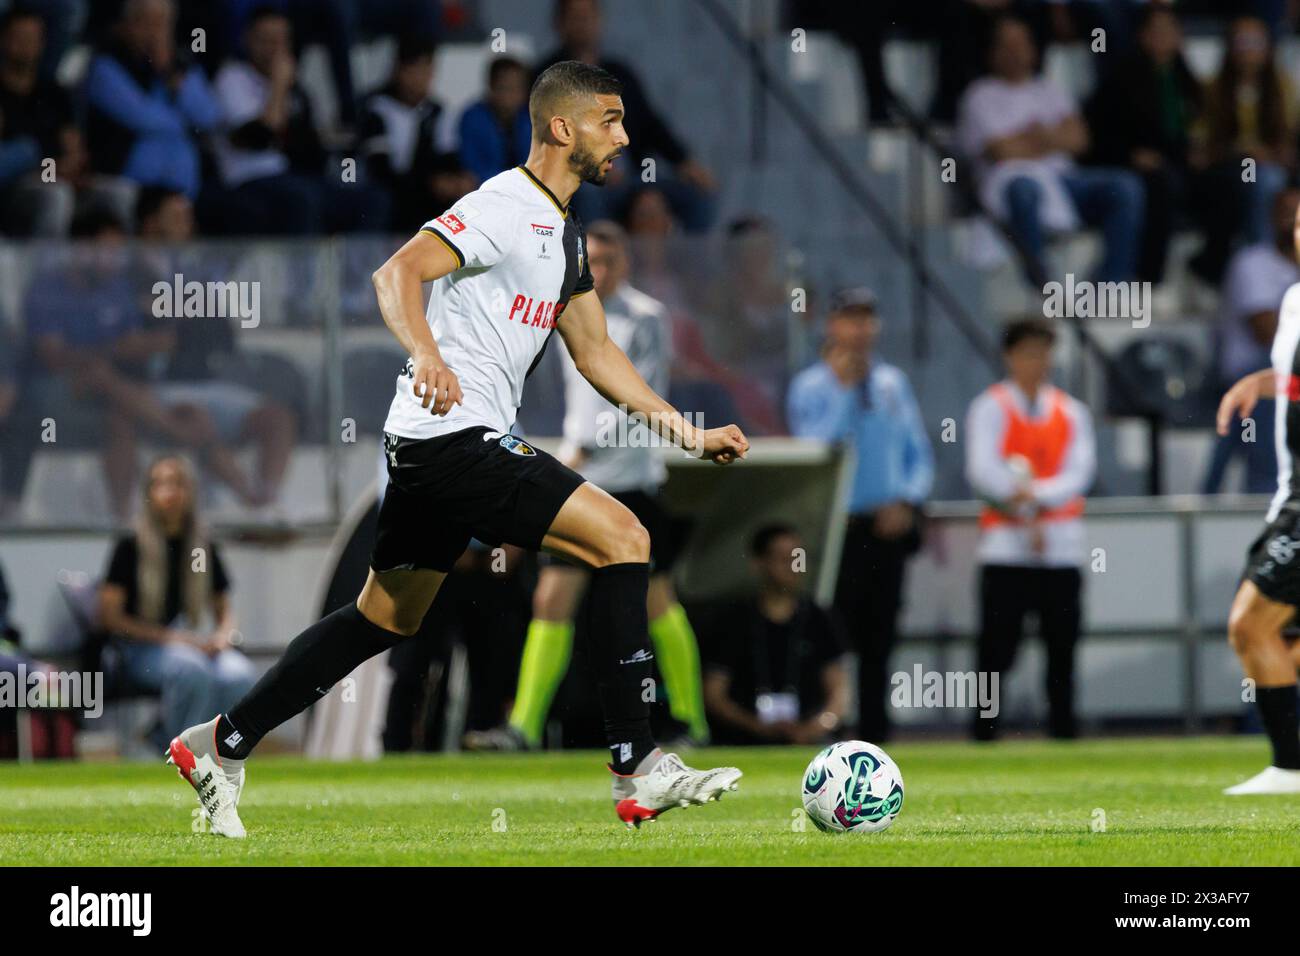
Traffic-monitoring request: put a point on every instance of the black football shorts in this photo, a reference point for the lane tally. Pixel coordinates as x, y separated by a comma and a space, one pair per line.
1273, 561
472, 483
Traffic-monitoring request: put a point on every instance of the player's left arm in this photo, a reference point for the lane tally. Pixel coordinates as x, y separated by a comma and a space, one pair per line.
602, 363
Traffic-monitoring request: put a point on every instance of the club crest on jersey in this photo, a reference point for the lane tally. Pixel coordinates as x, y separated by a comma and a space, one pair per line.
516, 446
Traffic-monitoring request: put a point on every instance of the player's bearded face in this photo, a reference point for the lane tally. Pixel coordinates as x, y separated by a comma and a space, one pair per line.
587, 165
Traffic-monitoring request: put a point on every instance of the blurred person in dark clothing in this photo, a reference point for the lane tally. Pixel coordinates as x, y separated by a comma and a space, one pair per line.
35, 120
147, 104
226, 414
495, 132
1249, 114
397, 137
1141, 117
689, 188
773, 663
484, 606
855, 398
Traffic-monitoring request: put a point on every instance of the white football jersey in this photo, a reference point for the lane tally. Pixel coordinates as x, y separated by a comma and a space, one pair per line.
621, 456
522, 258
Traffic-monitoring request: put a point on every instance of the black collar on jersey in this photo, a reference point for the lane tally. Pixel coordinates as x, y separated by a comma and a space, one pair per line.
563, 210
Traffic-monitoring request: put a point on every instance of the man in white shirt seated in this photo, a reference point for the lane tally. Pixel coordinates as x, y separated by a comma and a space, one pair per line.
1030, 457
270, 156
1023, 133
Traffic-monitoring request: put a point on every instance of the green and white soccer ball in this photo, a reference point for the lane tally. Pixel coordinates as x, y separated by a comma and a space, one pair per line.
852, 787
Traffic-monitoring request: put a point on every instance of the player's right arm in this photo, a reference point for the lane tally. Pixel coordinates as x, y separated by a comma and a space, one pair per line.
1242, 398
398, 283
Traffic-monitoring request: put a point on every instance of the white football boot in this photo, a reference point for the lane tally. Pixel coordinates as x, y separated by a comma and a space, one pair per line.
1268, 780
661, 781
219, 782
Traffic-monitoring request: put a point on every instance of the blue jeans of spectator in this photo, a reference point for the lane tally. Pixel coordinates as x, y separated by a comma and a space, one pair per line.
1257, 201
194, 686
1260, 456
1110, 199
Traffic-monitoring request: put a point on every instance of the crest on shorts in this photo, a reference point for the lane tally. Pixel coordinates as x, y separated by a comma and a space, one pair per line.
516, 446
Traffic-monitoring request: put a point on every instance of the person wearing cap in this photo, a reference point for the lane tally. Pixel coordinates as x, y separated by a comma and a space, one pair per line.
851, 397
1030, 456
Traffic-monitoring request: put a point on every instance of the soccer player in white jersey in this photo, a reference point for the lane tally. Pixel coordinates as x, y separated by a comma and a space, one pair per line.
616, 454
509, 267
1269, 593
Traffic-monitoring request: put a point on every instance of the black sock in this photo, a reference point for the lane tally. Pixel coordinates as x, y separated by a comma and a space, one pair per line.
1277, 708
314, 661
621, 656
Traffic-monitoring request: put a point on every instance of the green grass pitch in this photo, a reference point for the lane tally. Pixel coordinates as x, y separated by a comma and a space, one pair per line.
1113, 802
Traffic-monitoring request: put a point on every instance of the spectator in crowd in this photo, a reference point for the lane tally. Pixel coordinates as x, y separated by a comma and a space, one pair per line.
1141, 117
746, 311
1250, 114
1030, 457
689, 189
398, 137
166, 601
854, 398
1023, 133
94, 355
90, 352
270, 155
13, 473
220, 414
6, 628
35, 114
37, 119
1257, 278
495, 132
147, 105
340, 25
774, 671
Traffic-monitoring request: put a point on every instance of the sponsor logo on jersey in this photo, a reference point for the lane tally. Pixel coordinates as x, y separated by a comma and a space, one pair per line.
539, 229
516, 446
541, 314
1292, 387
452, 222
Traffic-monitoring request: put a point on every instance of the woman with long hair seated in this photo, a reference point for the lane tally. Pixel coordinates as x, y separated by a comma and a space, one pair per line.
166, 601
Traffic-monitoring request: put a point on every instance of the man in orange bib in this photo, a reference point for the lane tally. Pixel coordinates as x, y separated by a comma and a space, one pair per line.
1030, 456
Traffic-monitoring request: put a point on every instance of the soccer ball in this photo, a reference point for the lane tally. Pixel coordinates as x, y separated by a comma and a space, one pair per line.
852, 787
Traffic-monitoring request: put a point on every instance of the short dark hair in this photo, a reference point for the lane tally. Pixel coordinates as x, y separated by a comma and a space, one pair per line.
1024, 329
150, 199
95, 221
501, 64
264, 11
414, 46
608, 232
762, 538
563, 82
